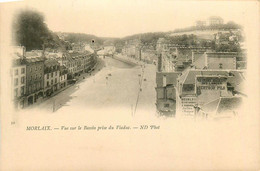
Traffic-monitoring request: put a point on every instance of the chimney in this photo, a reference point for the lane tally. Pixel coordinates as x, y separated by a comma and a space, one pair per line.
23, 53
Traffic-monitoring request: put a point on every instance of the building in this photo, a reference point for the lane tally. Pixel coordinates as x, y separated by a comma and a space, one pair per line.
63, 77
90, 61
241, 61
109, 50
148, 54
198, 87
69, 63
132, 49
174, 58
166, 92
34, 77
219, 60
78, 63
51, 76
214, 20
18, 79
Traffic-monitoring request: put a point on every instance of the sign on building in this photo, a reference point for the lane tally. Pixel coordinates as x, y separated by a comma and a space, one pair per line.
188, 103
210, 83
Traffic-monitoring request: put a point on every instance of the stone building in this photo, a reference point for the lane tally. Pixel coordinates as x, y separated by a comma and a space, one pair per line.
51, 76
18, 80
198, 87
166, 92
34, 77
63, 77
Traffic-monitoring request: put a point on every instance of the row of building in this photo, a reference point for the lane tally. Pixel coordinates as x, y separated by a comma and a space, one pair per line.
196, 81
36, 75
143, 52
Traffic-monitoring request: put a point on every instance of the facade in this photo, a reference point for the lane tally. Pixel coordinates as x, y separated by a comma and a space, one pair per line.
63, 77
34, 79
78, 63
18, 82
148, 54
132, 49
176, 58
166, 92
51, 76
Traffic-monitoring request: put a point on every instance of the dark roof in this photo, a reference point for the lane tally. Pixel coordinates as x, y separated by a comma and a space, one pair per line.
228, 104
51, 62
171, 78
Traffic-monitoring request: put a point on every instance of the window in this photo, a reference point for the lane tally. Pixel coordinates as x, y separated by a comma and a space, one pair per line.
56, 73
47, 76
29, 89
31, 78
55, 80
22, 80
16, 82
22, 104
16, 72
166, 105
220, 66
23, 70
22, 90
16, 92
51, 82
36, 68
52, 74
47, 83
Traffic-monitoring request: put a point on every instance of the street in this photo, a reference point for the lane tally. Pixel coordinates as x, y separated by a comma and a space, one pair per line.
118, 88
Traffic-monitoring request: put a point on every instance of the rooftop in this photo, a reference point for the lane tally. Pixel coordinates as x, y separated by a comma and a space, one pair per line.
222, 105
234, 77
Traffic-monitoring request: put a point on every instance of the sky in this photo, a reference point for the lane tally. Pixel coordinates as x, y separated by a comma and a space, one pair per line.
119, 18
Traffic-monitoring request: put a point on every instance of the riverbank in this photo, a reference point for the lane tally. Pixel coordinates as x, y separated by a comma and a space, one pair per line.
126, 59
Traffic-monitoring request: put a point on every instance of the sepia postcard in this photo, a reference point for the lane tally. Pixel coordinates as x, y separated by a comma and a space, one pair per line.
129, 85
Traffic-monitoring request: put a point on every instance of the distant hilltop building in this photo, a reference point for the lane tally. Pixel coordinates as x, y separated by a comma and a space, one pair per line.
215, 20
212, 21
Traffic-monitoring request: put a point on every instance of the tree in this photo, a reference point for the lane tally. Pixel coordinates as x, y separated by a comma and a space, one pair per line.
30, 30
